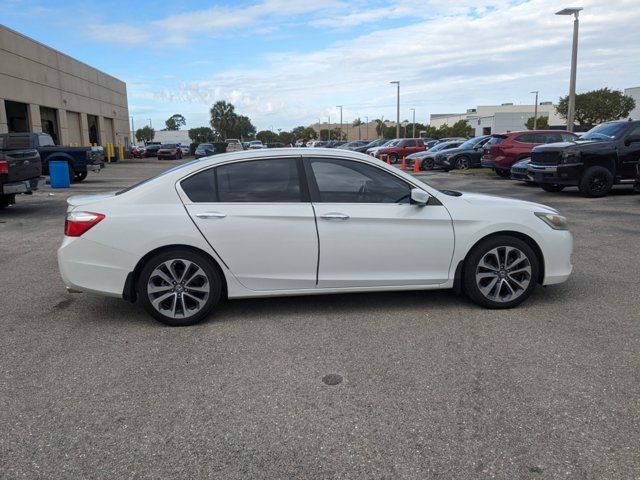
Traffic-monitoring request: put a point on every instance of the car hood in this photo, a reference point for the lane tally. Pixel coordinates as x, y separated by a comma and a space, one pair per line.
489, 201
582, 145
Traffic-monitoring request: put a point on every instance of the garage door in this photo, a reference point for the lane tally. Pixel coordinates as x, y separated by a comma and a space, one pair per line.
73, 128
108, 131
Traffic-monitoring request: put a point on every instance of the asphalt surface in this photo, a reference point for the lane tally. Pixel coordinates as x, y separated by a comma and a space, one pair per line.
423, 384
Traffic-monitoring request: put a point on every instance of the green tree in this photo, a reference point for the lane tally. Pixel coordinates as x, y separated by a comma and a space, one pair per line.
267, 136
175, 121
223, 118
145, 134
243, 128
459, 129
379, 127
541, 124
203, 135
598, 106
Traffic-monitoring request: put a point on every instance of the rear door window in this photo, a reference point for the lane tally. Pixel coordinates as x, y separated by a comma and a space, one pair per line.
526, 138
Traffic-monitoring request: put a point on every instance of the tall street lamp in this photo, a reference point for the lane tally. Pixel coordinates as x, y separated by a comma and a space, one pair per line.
367, 118
150, 126
535, 111
414, 122
574, 62
397, 110
329, 128
340, 107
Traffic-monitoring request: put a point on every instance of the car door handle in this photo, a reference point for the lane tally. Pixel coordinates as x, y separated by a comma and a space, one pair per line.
334, 216
208, 215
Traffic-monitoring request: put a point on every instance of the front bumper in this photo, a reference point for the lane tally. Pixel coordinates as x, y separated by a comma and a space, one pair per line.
557, 174
94, 167
557, 249
487, 162
24, 186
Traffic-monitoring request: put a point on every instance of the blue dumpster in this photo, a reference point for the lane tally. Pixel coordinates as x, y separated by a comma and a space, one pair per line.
59, 174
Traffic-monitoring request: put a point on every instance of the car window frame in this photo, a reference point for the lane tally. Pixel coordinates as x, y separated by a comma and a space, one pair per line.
302, 179
314, 190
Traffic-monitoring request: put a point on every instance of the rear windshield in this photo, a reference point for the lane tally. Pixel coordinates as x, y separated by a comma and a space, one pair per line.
10, 142
495, 141
205, 145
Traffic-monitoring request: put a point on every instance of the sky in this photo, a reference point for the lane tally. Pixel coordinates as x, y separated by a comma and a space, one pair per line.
285, 63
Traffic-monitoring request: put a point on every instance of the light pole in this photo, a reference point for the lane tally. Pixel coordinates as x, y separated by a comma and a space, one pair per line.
150, 125
571, 110
329, 128
319, 129
340, 107
535, 111
133, 131
367, 137
397, 110
414, 122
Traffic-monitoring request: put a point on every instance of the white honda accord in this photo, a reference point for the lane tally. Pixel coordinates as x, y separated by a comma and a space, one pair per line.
303, 221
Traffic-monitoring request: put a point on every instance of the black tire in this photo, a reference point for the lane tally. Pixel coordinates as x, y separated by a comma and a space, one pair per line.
210, 278
6, 200
393, 158
596, 182
552, 187
463, 163
472, 269
80, 176
503, 172
427, 164
72, 173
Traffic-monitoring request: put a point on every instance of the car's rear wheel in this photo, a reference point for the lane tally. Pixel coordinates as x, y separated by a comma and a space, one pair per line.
80, 176
500, 272
552, 187
463, 163
427, 164
503, 172
596, 182
179, 287
393, 158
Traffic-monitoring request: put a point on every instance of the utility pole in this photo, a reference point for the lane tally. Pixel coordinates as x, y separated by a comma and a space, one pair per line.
535, 111
571, 110
414, 122
397, 110
329, 129
150, 125
133, 132
340, 107
367, 137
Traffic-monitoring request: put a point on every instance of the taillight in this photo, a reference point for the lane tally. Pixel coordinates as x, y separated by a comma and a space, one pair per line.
4, 167
78, 223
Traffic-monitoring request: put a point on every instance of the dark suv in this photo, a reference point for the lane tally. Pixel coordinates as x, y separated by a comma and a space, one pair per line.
20, 172
502, 151
606, 155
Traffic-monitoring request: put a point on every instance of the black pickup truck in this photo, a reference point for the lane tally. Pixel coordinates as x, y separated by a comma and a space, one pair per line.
20, 172
81, 160
606, 155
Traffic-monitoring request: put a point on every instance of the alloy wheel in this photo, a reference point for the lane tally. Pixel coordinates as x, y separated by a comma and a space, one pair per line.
462, 163
503, 274
178, 288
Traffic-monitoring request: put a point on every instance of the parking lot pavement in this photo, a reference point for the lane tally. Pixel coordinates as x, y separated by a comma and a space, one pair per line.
432, 385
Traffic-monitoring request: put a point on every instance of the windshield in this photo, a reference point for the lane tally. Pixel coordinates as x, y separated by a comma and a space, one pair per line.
205, 145
606, 131
440, 146
471, 143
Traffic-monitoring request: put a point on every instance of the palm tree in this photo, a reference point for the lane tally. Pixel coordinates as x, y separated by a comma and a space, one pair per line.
223, 118
356, 123
379, 127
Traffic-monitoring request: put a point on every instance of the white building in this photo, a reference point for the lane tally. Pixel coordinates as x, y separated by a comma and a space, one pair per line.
635, 94
487, 119
172, 136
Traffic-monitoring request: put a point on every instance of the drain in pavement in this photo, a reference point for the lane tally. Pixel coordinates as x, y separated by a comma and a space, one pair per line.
332, 379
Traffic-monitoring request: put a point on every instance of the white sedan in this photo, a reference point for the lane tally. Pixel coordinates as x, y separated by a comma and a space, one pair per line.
303, 221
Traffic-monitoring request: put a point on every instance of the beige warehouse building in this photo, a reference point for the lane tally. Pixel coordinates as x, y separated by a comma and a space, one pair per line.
43, 90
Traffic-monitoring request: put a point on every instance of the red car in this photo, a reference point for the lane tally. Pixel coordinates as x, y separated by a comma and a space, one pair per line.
503, 150
170, 151
400, 149
137, 151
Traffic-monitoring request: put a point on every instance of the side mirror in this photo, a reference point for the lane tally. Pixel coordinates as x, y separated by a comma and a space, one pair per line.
632, 139
419, 197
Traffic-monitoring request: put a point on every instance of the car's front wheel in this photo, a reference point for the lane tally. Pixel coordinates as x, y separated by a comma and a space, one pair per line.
463, 163
503, 172
500, 272
179, 287
596, 182
427, 164
552, 187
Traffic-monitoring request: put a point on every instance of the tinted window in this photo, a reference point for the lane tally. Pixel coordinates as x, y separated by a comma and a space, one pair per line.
568, 137
494, 141
201, 187
606, 131
634, 131
344, 181
451, 145
526, 138
273, 180
548, 138
410, 143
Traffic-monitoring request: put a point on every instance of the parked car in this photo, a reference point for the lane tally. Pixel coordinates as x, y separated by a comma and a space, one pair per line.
520, 171
372, 144
317, 144
255, 144
426, 158
204, 150
239, 208
388, 143
169, 151
503, 150
234, 145
185, 149
402, 148
354, 144
20, 172
463, 157
606, 155
151, 150
80, 160
136, 151
636, 184
452, 139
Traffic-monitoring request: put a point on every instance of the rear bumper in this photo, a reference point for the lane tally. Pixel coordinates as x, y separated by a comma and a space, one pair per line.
94, 167
24, 186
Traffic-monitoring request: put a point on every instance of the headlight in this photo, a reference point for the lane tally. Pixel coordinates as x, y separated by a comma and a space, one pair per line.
570, 156
557, 222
